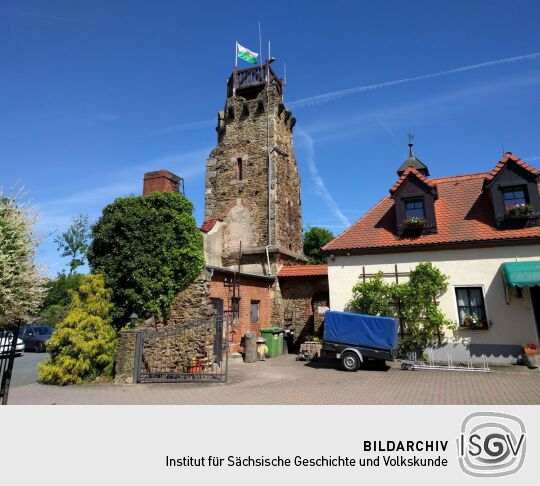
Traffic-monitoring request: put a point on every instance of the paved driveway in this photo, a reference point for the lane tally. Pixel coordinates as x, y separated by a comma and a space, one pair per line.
286, 381
25, 368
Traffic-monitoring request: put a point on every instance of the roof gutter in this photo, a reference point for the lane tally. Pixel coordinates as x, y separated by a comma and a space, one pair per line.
434, 246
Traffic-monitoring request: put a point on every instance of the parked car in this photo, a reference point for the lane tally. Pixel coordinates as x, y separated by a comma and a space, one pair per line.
35, 337
5, 344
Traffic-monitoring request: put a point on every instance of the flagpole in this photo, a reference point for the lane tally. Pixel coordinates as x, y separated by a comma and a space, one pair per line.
235, 69
260, 44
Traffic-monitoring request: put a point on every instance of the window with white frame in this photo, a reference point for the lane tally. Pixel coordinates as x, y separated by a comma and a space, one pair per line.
471, 308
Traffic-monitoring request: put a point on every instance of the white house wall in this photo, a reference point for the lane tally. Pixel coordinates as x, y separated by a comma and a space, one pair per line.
510, 325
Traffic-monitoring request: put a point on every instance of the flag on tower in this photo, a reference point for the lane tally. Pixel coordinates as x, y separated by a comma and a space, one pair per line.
246, 54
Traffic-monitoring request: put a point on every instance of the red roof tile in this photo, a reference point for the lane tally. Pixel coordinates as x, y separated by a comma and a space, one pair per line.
209, 224
413, 171
303, 271
463, 214
510, 156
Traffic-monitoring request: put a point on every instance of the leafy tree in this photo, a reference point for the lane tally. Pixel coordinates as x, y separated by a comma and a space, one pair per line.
57, 299
375, 297
314, 239
74, 242
83, 345
21, 284
413, 302
148, 248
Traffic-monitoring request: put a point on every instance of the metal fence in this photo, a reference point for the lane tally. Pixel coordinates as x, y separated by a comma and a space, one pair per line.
195, 352
8, 351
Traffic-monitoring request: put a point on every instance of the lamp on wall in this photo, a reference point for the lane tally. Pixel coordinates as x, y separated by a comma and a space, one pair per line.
132, 318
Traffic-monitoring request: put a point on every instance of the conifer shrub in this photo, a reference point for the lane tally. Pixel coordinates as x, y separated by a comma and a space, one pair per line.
83, 345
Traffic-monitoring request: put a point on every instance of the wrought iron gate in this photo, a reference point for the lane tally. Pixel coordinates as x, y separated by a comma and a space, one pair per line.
196, 352
8, 350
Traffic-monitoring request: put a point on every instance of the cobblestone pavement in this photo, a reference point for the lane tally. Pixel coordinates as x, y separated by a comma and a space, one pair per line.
285, 381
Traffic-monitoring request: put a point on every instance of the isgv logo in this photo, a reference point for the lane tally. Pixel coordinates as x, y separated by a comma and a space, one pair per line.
491, 444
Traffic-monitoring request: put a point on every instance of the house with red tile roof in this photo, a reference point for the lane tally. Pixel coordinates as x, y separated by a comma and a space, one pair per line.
481, 230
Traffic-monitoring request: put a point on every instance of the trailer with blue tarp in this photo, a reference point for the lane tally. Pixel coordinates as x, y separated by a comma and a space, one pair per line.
356, 337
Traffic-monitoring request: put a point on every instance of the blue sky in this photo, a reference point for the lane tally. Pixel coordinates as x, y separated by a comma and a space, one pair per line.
93, 94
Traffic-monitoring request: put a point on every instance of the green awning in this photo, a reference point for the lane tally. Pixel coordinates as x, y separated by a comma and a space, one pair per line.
521, 274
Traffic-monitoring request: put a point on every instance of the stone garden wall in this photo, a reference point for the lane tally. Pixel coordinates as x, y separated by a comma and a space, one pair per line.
176, 351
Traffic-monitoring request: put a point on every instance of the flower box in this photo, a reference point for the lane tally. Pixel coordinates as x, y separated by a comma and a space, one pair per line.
473, 322
414, 223
521, 211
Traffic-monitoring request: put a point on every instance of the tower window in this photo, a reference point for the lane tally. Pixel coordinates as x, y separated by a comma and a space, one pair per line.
414, 208
290, 213
239, 170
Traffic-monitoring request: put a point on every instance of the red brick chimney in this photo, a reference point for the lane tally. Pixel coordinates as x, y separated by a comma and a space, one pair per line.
160, 181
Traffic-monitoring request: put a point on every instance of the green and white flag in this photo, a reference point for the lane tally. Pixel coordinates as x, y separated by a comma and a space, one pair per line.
246, 54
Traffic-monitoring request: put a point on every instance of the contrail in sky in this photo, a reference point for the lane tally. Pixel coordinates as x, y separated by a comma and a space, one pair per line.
336, 95
388, 130
186, 126
318, 180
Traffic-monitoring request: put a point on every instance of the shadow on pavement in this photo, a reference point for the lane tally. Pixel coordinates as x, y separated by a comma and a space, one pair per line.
334, 363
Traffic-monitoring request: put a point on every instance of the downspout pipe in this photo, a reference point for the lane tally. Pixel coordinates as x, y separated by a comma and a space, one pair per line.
267, 247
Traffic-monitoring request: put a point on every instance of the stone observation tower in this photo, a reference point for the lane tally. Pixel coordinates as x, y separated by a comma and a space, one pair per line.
253, 217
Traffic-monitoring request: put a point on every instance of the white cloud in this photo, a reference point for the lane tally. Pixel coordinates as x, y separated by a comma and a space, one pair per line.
56, 214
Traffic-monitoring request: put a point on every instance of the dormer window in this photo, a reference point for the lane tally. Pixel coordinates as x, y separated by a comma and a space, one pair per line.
414, 208
512, 188
414, 202
514, 196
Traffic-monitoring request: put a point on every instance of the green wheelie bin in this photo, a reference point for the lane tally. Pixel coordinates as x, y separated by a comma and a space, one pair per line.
273, 337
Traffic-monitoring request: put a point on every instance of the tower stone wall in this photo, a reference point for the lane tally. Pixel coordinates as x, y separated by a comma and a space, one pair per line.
255, 136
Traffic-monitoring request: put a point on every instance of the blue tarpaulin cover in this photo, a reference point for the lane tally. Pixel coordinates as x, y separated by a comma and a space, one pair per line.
361, 330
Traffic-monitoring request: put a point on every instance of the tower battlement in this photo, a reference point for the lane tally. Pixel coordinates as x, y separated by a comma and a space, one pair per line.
250, 81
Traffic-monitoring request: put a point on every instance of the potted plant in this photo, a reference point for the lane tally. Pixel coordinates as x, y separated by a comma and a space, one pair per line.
530, 349
521, 211
414, 222
474, 322
195, 366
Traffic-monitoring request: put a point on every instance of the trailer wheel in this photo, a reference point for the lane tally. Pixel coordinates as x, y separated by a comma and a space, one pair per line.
404, 366
350, 361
